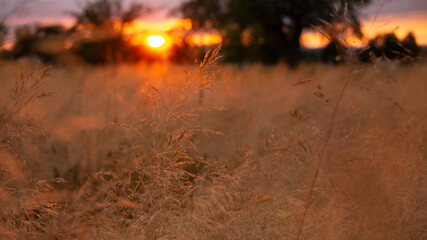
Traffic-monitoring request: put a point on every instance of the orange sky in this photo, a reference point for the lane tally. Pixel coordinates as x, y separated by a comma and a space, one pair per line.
139, 31
399, 23
395, 15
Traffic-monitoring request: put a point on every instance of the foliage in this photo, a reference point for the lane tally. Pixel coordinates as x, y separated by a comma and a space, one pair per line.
101, 13
44, 42
269, 30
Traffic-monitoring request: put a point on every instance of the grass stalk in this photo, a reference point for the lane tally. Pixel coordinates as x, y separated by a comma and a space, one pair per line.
323, 152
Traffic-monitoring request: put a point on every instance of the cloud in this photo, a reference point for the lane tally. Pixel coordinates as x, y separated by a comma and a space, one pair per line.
395, 6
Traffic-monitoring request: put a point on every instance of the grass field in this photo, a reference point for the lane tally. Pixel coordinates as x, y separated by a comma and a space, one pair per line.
213, 152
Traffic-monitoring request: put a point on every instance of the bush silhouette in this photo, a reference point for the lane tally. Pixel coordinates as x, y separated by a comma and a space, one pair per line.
44, 42
388, 47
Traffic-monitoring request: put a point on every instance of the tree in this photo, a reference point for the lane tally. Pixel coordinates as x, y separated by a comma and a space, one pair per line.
105, 20
101, 13
5, 13
44, 42
410, 46
270, 29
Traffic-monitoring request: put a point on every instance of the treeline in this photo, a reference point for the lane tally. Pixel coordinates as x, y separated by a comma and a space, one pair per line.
97, 37
252, 31
270, 31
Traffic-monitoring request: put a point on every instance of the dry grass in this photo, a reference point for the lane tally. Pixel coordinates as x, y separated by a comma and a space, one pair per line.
188, 152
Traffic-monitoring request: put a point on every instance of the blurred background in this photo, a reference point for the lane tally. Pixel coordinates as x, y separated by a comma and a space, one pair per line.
179, 31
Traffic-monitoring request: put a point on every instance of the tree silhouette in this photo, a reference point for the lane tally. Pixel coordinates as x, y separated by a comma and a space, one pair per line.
106, 13
410, 46
268, 30
389, 47
105, 20
44, 42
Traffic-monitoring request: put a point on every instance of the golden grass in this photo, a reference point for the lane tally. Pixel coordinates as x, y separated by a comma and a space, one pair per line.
191, 152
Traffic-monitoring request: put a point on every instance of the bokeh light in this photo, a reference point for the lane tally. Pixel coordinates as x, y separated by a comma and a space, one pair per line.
156, 41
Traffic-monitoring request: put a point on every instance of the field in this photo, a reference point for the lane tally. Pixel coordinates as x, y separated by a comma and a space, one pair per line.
213, 152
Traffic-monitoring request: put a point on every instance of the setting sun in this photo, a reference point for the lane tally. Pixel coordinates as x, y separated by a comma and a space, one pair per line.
156, 41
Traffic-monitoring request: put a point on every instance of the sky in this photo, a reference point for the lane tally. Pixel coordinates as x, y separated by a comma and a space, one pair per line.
401, 16
46, 10
397, 6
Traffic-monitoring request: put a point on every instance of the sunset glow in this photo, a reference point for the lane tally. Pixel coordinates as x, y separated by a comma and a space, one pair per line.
399, 24
205, 39
159, 36
156, 41
311, 39
155, 26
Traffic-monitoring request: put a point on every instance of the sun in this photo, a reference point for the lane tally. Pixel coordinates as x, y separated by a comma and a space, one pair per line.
156, 41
